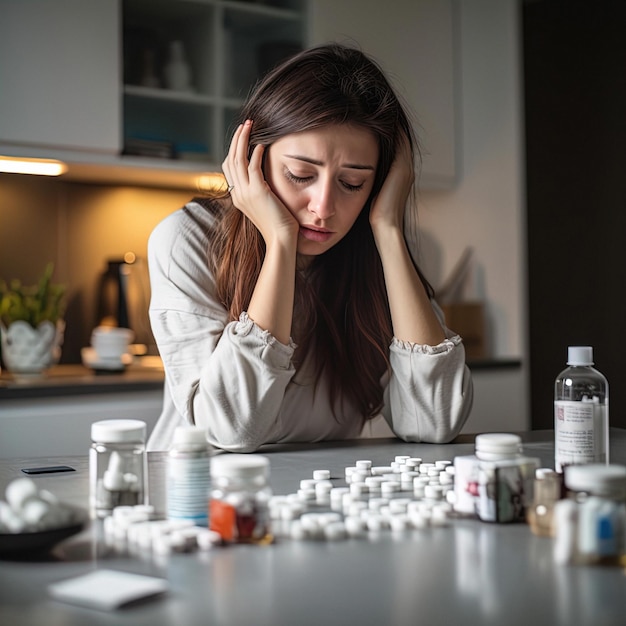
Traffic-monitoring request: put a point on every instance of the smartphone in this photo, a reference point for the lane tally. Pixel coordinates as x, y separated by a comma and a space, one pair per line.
49, 469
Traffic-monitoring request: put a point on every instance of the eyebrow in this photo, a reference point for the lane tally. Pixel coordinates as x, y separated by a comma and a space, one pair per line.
352, 166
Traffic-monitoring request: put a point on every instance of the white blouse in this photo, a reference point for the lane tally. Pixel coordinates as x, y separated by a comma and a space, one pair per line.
239, 382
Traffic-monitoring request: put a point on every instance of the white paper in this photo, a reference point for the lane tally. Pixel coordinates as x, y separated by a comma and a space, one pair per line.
107, 589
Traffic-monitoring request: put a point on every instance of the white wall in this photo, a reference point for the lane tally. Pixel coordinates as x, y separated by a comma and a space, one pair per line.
486, 208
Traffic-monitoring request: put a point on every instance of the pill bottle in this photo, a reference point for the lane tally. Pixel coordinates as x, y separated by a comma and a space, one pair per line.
118, 466
505, 478
240, 494
496, 482
188, 476
581, 412
547, 492
600, 493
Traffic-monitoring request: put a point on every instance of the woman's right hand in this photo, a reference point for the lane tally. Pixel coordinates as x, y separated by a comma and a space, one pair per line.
250, 192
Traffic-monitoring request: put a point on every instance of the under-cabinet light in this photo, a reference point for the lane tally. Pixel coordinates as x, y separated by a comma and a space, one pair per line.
211, 182
40, 167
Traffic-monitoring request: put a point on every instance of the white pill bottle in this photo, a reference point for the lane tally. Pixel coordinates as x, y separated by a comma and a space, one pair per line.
581, 412
189, 476
118, 465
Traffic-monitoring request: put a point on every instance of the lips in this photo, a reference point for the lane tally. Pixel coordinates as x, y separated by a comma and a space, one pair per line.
319, 235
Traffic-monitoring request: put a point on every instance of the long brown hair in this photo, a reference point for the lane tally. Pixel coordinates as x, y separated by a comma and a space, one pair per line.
341, 305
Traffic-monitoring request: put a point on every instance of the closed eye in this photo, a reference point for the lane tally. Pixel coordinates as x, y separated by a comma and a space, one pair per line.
299, 180
350, 187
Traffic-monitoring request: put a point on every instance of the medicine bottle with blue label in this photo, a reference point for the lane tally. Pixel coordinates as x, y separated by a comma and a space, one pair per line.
581, 412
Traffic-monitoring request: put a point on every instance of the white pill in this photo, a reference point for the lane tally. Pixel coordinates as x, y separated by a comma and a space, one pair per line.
426, 467
379, 470
359, 489
336, 493
323, 486
364, 464
307, 483
442, 464
402, 458
376, 523
18, 491
298, 531
335, 531
329, 517
355, 526
321, 474
355, 508
399, 523
433, 492
208, 539
390, 487
375, 504
417, 520
306, 494
413, 461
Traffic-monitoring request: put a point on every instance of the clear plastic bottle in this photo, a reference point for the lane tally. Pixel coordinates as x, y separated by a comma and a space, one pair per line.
118, 465
240, 494
581, 412
189, 476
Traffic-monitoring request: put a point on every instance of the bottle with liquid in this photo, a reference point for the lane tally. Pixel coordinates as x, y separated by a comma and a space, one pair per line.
581, 412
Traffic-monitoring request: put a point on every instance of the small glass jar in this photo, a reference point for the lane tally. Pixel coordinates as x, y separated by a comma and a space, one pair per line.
240, 494
118, 465
600, 494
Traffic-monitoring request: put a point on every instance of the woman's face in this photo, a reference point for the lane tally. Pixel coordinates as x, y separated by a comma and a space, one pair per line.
324, 177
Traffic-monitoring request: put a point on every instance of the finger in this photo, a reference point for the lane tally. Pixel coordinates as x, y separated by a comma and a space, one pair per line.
256, 162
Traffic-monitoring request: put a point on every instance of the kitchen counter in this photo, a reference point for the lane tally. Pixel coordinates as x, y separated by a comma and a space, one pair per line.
73, 380
470, 572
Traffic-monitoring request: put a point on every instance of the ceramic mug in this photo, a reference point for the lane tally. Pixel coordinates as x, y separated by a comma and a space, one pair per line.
111, 342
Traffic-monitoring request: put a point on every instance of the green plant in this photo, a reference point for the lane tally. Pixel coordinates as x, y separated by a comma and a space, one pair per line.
33, 304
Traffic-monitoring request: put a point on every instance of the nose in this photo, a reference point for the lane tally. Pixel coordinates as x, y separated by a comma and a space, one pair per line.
322, 200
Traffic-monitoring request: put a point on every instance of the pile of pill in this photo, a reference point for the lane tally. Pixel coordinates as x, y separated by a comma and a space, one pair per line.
135, 529
28, 509
408, 494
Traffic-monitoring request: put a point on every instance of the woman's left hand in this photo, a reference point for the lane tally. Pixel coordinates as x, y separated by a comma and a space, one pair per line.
389, 205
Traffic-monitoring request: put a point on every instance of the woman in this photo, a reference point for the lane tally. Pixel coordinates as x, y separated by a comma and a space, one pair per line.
289, 308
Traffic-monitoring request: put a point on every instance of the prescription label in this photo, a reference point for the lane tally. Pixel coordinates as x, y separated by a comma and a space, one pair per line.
577, 428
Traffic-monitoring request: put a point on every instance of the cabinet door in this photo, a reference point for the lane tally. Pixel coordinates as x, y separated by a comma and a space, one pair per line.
59, 74
413, 42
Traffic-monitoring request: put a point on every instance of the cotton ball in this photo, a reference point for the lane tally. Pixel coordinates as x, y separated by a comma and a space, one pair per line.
9, 521
34, 512
19, 491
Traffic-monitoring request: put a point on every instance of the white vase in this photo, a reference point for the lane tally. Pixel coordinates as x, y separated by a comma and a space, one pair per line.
177, 72
28, 350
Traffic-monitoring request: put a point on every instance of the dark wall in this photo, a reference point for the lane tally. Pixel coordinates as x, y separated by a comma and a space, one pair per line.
575, 110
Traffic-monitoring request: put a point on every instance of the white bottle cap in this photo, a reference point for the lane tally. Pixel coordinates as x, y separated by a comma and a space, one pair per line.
580, 355
190, 434
597, 479
240, 465
119, 431
494, 446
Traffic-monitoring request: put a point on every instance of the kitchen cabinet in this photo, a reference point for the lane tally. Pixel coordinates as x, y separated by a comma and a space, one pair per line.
413, 40
73, 81
59, 75
226, 46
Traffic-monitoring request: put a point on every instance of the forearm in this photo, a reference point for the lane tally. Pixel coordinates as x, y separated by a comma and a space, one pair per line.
412, 314
271, 305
